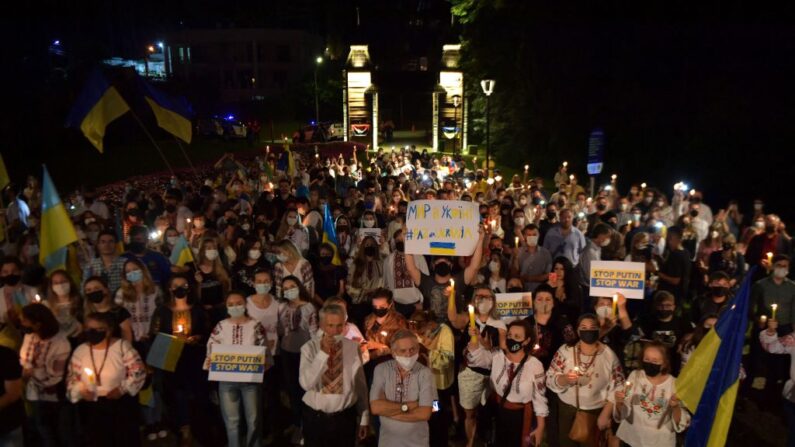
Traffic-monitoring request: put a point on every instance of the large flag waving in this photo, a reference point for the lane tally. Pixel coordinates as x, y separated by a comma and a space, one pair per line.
172, 115
330, 234
57, 231
708, 383
97, 106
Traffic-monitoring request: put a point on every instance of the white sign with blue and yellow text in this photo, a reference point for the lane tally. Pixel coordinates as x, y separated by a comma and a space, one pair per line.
611, 277
237, 363
442, 227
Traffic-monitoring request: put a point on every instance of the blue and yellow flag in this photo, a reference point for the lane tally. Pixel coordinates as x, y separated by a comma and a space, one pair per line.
172, 115
330, 234
57, 231
181, 254
708, 383
291, 169
96, 107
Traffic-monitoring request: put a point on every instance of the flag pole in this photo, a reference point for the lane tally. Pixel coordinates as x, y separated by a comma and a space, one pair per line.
190, 163
154, 143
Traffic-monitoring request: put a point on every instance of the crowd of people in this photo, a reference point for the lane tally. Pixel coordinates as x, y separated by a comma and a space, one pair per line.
366, 344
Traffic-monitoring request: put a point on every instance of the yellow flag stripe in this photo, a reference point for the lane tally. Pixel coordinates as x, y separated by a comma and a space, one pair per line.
171, 122
693, 377
723, 417
107, 109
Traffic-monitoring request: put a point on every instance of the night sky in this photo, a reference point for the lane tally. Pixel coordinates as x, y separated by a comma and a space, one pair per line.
701, 93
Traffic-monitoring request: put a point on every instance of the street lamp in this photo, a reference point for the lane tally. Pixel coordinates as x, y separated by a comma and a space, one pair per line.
456, 103
488, 88
318, 61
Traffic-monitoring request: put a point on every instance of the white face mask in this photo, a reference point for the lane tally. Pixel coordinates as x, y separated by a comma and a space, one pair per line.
262, 288
291, 294
368, 223
211, 254
780, 272
407, 362
61, 289
172, 240
494, 266
714, 234
605, 243
519, 221
254, 254
604, 312
281, 257
532, 241
245, 227
484, 307
236, 311
291, 221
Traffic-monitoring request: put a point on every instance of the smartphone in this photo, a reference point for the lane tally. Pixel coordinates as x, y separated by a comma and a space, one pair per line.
435, 406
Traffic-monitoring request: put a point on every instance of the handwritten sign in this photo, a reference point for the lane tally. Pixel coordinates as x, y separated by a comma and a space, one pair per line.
442, 227
514, 306
374, 233
610, 277
237, 363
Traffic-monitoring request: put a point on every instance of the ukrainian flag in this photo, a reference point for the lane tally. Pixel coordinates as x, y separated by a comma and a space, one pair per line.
57, 231
172, 115
708, 383
330, 234
442, 248
165, 352
181, 254
291, 169
96, 107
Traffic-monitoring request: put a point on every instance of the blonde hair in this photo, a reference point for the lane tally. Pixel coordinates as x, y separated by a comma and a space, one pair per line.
127, 288
288, 246
218, 267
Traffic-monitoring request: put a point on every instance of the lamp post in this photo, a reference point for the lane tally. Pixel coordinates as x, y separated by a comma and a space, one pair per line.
318, 61
488, 88
456, 103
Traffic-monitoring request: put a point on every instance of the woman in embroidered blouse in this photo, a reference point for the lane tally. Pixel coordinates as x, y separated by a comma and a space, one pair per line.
584, 376
297, 324
105, 375
366, 273
291, 263
647, 408
515, 367
139, 295
238, 329
43, 358
63, 299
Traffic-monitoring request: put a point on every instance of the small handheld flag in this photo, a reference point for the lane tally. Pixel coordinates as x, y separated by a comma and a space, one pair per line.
57, 231
330, 235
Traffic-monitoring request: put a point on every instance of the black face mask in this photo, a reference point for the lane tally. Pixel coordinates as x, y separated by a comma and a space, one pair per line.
400, 246
380, 311
536, 201
442, 269
231, 222
515, 290
342, 229
27, 330
770, 229
180, 292
693, 213
662, 314
601, 206
513, 345
171, 208
652, 369
95, 336
326, 260
719, 290
137, 247
11, 280
551, 215
370, 251
589, 336
95, 297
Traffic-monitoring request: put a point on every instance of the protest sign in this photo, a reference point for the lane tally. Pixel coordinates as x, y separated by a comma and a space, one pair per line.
610, 277
514, 306
374, 233
442, 227
237, 363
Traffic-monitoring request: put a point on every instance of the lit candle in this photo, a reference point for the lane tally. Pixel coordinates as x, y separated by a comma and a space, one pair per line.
474, 338
763, 319
615, 305
627, 386
577, 370
571, 177
384, 334
516, 241
774, 307
643, 185
770, 257
493, 223
188, 220
180, 328
91, 378
613, 177
451, 298
565, 163
526, 168
38, 298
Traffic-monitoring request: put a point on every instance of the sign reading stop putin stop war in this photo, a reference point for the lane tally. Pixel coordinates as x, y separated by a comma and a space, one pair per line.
442, 227
514, 306
611, 277
237, 363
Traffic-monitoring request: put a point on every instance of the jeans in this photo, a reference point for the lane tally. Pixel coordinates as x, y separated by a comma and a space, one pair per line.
230, 395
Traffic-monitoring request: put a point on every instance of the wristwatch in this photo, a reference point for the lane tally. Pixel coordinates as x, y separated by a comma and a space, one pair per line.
404, 408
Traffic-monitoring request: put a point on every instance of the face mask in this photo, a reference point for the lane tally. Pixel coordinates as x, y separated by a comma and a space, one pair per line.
693, 213
180, 292
137, 247
551, 215
442, 269
245, 227
636, 217
523, 202
485, 307
291, 294
513, 345
494, 266
604, 312
32, 251
134, 276
532, 241
95, 336
641, 247
647, 200
370, 251
652, 369
95, 297
515, 290
326, 260
780, 272
714, 234
254, 254
400, 246
236, 311
601, 206
172, 240
61, 289
281, 257
625, 207
589, 336
770, 229
660, 204
666, 313
368, 223
92, 235
262, 288
407, 362
605, 243
519, 221
170, 208
199, 224
541, 308
27, 330
211, 254
719, 290
380, 311
759, 225
291, 221
11, 280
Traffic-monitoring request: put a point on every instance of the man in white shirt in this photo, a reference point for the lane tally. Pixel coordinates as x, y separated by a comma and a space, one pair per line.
336, 390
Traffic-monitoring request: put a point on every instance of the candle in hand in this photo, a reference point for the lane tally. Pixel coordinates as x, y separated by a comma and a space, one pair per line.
615, 305
91, 378
763, 319
516, 241
451, 297
180, 328
770, 258
474, 338
774, 307
526, 168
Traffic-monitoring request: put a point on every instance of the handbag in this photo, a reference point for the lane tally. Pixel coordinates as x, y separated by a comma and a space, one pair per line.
583, 429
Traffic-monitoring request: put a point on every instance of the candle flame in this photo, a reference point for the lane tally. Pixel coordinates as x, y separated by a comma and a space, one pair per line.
774, 306
452, 283
89, 372
384, 333
471, 308
38, 298
565, 163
